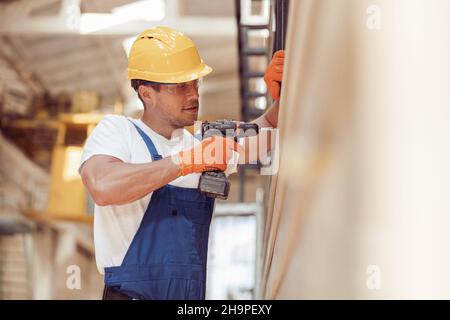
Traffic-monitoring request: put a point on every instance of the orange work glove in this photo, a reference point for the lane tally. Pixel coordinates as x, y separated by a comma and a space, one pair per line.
274, 75
213, 153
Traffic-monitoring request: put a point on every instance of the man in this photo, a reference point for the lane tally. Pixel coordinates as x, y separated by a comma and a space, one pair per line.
151, 223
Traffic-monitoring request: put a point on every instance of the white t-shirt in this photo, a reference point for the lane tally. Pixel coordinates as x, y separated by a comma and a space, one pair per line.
116, 225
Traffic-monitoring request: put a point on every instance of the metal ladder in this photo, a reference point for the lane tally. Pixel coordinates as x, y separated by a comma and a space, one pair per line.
253, 46
252, 28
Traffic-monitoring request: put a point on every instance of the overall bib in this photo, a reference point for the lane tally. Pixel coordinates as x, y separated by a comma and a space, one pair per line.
167, 256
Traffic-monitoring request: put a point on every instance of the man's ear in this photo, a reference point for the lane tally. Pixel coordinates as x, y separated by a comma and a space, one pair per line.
147, 95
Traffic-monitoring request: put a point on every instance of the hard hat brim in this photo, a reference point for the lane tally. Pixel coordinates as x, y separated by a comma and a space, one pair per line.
184, 76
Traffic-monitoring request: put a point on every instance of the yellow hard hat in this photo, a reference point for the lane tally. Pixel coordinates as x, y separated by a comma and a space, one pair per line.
165, 55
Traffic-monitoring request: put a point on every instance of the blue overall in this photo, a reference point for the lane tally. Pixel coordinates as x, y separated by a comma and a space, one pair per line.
167, 257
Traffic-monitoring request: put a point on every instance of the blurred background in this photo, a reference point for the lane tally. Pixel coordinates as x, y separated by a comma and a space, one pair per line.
63, 66
360, 205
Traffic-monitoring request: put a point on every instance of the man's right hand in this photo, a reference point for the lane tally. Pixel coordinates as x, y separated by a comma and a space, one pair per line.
213, 153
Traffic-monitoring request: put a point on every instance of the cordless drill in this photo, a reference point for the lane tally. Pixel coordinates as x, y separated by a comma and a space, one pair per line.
215, 183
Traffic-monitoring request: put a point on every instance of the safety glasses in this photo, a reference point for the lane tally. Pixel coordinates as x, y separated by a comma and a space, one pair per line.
177, 88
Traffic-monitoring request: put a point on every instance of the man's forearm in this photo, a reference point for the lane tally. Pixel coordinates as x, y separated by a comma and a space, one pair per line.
270, 118
117, 183
263, 140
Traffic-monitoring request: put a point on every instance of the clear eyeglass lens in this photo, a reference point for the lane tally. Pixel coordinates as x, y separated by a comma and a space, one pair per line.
183, 88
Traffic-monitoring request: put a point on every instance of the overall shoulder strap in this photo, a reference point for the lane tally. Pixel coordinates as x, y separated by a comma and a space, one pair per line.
148, 142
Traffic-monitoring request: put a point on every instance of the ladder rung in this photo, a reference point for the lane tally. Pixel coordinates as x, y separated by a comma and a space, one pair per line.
250, 95
254, 26
249, 75
254, 51
252, 113
250, 166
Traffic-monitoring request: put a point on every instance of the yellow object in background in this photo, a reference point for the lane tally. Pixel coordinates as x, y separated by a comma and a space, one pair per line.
68, 198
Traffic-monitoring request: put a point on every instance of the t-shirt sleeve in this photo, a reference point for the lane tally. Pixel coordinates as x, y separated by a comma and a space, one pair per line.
109, 138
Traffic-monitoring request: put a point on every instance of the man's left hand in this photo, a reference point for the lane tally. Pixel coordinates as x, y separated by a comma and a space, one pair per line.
274, 74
